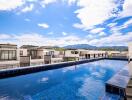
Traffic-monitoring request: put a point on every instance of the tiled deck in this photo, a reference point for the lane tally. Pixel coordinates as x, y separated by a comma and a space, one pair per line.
118, 82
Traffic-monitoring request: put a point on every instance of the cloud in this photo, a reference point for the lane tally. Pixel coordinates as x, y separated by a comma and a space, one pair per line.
112, 24
4, 36
28, 8
114, 39
127, 8
96, 30
64, 33
10, 4
28, 20
40, 40
102, 34
43, 25
92, 12
118, 28
46, 2
127, 23
77, 25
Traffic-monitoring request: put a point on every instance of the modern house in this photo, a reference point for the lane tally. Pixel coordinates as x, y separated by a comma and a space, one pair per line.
71, 55
119, 54
83, 54
9, 56
51, 55
88, 54
31, 55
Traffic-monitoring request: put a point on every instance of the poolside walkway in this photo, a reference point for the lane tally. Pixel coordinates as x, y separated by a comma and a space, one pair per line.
118, 82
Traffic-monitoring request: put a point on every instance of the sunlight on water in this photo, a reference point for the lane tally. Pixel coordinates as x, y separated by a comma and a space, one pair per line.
81, 82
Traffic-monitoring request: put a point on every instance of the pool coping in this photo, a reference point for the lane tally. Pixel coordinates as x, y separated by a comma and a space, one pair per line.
32, 69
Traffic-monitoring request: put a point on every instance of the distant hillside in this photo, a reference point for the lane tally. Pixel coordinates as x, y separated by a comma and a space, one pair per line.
80, 46
87, 46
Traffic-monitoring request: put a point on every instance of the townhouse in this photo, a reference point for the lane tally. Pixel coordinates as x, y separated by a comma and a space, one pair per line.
9, 56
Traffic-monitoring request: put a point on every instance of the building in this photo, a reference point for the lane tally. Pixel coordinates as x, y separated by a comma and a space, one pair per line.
9, 56
71, 55
130, 50
31, 55
118, 54
88, 54
51, 55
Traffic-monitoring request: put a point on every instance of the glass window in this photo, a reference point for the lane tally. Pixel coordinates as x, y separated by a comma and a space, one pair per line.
8, 55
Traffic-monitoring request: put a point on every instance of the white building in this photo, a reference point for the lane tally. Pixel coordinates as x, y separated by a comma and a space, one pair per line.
51, 55
70, 55
9, 56
31, 55
130, 50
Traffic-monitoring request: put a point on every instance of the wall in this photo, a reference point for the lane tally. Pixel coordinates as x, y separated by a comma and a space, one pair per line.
130, 50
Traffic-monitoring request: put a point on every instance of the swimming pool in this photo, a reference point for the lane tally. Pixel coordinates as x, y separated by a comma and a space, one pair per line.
80, 82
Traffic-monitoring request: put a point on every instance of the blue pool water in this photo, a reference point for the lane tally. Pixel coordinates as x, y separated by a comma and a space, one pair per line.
81, 82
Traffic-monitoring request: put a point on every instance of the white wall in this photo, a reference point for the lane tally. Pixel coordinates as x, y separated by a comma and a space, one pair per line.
69, 54
130, 50
24, 52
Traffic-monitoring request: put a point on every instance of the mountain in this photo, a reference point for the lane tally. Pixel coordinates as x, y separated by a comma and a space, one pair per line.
118, 48
80, 46
90, 47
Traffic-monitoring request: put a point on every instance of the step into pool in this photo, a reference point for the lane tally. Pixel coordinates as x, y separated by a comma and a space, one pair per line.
78, 82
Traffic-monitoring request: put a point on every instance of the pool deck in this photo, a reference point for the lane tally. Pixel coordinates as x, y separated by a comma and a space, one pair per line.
118, 82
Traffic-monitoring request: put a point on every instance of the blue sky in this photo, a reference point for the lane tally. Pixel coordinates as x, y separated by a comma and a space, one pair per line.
65, 22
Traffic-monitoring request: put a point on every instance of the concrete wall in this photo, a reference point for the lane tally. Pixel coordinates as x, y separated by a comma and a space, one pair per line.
24, 52
68, 53
130, 50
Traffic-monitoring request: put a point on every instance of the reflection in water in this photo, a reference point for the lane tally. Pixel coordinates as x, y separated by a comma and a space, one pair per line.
81, 82
44, 79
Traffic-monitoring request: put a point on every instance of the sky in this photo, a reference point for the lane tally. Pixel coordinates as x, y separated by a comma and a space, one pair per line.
66, 22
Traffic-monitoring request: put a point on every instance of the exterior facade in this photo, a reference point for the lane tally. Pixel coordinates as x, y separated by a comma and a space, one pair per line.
130, 50
120, 54
9, 56
52, 56
70, 55
31, 55
83, 54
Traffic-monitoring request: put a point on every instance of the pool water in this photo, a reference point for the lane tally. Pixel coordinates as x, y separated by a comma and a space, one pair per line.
80, 82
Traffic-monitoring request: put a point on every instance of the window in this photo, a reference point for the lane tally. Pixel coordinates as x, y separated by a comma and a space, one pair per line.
21, 53
74, 52
7, 54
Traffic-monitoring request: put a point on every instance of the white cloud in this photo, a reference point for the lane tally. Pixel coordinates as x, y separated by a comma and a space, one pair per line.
127, 8
118, 28
28, 20
64, 33
102, 34
114, 39
43, 25
112, 24
4, 36
38, 39
96, 30
77, 25
10, 4
94, 12
129, 22
70, 2
46, 2
28, 8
